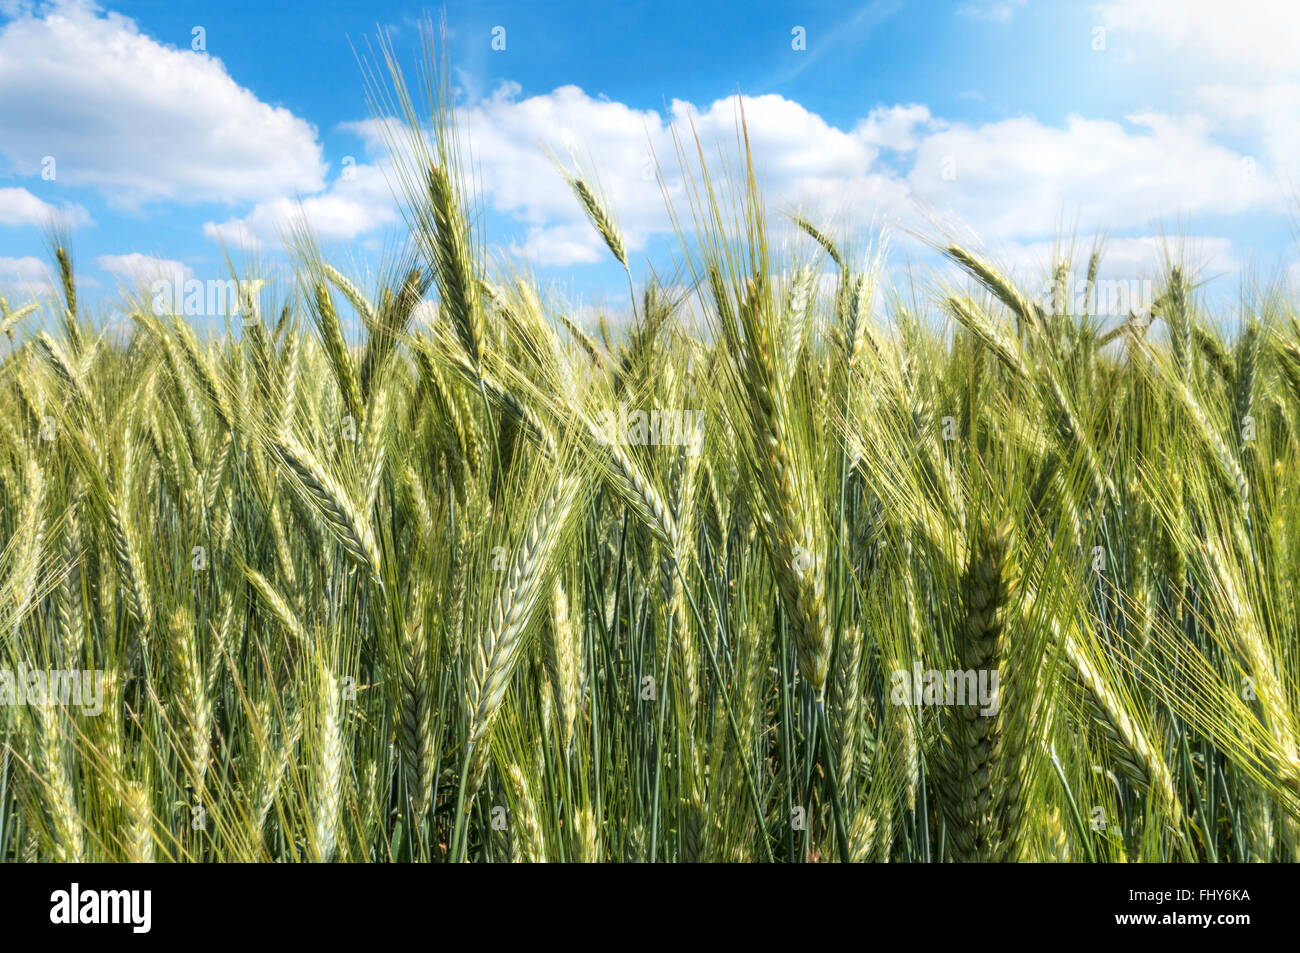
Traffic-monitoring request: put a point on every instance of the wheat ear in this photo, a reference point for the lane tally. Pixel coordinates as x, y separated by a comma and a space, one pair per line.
497, 650
415, 721
335, 504
971, 781
328, 750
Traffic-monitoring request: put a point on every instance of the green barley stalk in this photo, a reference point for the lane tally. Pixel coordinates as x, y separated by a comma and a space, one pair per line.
331, 500
495, 654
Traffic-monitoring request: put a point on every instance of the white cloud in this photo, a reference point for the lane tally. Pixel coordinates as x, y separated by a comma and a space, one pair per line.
142, 121
139, 120
26, 276
802, 160
20, 207
1256, 36
894, 127
354, 204
1122, 259
1017, 178
135, 267
1202, 254
1013, 181
1264, 114
568, 244
1132, 273
27, 268
1245, 64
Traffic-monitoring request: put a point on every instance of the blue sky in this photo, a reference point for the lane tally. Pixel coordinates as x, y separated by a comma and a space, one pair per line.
1017, 119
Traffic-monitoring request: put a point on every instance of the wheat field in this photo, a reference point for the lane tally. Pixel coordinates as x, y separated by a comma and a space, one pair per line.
800, 563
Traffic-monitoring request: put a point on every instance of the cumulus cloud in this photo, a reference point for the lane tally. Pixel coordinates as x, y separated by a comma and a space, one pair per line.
1246, 51
140, 120
1123, 259
1017, 177
1014, 180
356, 203
894, 127
27, 275
1256, 36
20, 207
135, 267
1132, 270
1263, 114
803, 161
